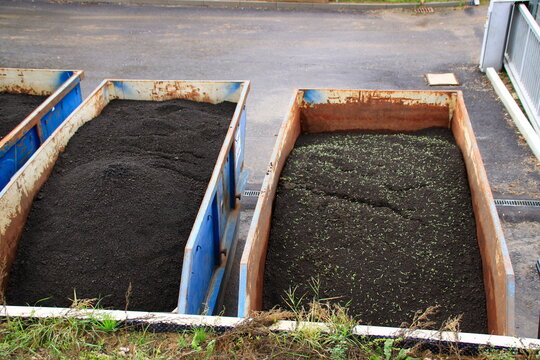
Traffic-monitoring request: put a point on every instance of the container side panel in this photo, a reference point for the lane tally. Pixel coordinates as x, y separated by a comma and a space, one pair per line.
346, 110
497, 268
239, 140
207, 252
60, 111
203, 262
16, 198
15, 157
201, 91
32, 81
253, 258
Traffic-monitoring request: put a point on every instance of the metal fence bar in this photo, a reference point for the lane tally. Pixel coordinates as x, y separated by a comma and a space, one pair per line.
522, 61
534, 7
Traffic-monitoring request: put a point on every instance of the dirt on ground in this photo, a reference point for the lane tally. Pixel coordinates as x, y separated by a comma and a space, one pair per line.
14, 108
382, 223
113, 219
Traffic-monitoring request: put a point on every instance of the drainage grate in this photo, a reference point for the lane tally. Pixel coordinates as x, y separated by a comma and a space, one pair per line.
423, 10
509, 202
252, 193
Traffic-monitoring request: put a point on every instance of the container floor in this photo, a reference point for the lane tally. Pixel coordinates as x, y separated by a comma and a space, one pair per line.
113, 219
14, 108
383, 223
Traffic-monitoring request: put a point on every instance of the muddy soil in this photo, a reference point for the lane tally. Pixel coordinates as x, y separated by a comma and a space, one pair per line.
14, 108
382, 222
119, 207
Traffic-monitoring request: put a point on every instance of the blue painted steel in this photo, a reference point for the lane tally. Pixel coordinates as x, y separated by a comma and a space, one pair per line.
124, 87
233, 87
239, 141
204, 282
211, 301
204, 262
15, 153
314, 97
242, 291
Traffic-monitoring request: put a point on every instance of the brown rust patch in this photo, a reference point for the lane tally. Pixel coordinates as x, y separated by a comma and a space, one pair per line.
10, 241
497, 269
12, 234
394, 114
18, 89
196, 95
166, 90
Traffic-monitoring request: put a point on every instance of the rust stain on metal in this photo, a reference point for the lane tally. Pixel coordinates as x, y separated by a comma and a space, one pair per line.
11, 237
167, 90
196, 95
18, 89
11, 234
370, 113
497, 268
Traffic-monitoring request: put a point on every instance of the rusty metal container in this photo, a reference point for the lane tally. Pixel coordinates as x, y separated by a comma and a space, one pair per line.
64, 94
211, 243
316, 111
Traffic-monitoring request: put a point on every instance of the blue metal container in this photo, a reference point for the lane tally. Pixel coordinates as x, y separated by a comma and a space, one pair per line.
63, 88
210, 247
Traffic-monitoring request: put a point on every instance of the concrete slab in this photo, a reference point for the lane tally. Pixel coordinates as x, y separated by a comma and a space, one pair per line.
280, 51
441, 79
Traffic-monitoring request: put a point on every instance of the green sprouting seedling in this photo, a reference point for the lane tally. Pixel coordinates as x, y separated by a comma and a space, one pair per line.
292, 300
315, 285
199, 337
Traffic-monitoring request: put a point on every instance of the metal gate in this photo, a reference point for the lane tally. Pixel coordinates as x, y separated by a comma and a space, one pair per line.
534, 7
522, 61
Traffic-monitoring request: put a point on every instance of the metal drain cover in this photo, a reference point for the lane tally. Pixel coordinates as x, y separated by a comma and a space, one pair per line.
251, 193
423, 10
512, 202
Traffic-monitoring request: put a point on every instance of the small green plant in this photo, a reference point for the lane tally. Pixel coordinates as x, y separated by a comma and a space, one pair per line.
104, 322
200, 335
183, 340
293, 301
390, 352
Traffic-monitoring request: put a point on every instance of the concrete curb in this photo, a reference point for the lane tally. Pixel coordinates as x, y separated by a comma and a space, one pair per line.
275, 5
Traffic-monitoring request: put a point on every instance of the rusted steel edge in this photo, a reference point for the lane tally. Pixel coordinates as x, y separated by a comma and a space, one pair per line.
250, 299
498, 241
35, 116
155, 318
